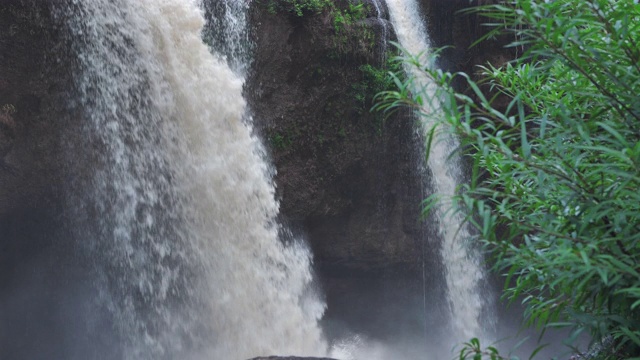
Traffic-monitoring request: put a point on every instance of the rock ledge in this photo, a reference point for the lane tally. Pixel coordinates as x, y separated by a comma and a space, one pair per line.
290, 358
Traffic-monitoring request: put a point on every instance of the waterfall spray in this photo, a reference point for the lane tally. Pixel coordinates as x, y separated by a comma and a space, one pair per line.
463, 270
174, 203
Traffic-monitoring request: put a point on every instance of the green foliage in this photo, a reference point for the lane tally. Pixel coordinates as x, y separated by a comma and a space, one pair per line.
350, 34
348, 31
473, 351
299, 7
375, 80
344, 19
554, 191
281, 141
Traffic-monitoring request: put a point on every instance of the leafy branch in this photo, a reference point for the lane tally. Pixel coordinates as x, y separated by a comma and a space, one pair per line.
557, 169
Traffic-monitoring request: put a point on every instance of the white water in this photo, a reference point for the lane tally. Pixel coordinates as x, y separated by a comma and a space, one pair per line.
385, 32
228, 33
178, 211
463, 270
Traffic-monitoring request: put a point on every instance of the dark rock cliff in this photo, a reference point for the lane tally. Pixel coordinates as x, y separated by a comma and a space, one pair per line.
289, 358
343, 174
37, 283
31, 77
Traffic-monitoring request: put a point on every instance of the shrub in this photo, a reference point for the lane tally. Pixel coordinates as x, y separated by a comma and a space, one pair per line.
554, 190
298, 7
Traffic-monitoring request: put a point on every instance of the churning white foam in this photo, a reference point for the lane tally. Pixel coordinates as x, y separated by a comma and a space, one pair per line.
189, 239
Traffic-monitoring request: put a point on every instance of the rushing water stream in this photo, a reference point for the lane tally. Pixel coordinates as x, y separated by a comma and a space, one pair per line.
463, 270
183, 233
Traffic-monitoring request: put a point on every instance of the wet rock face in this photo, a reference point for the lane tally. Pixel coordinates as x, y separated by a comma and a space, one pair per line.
448, 25
27, 113
40, 283
343, 175
30, 105
7, 130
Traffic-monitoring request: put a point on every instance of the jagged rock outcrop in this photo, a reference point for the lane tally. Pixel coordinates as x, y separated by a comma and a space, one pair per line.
39, 280
30, 75
345, 176
289, 358
7, 131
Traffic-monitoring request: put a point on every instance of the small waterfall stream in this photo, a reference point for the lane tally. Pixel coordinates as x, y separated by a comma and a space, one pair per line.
171, 197
385, 31
463, 270
227, 32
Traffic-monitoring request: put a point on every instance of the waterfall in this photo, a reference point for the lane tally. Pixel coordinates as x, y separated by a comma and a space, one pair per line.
227, 31
463, 269
385, 31
169, 195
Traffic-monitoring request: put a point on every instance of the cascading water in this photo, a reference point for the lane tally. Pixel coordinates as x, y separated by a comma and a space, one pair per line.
385, 31
463, 271
170, 196
227, 31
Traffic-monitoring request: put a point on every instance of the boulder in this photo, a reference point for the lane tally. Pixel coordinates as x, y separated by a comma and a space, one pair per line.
289, 358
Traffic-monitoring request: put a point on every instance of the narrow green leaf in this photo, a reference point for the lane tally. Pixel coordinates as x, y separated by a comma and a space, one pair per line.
429, 142
526, 148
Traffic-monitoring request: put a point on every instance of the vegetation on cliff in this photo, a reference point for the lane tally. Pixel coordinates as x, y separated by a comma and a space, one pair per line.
341, 35
346, 19
298, 7
556, 167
